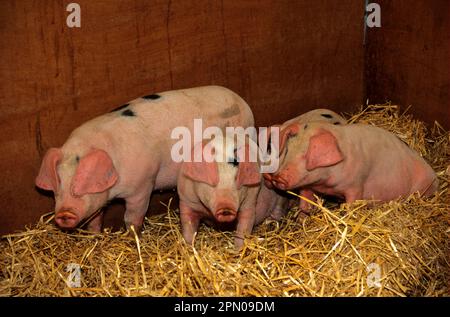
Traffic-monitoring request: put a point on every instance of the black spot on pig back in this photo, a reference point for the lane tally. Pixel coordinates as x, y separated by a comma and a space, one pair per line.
120, 108
128, 113
326, 115
152, 97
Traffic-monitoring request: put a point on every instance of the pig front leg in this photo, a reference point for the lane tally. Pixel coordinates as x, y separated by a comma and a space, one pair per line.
190, 220
280, 208
95, 225
136, 208
305, 206
245, 224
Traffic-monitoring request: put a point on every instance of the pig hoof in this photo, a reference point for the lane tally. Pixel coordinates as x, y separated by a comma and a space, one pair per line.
302, 215
238, 243
134, 230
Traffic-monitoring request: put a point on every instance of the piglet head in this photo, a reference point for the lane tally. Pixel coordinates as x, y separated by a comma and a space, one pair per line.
322, 151
80, 185
232, 190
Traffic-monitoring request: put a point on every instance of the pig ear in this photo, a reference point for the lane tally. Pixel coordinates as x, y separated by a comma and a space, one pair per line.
323, 150
48, 177
95, 174
204, 172
248, 172
290, 131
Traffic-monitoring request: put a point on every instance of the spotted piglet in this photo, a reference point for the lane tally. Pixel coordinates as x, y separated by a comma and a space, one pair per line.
127, 153
351, 162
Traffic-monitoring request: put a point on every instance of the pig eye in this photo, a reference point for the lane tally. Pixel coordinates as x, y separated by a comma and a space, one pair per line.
152, 97
233, 161
326, 115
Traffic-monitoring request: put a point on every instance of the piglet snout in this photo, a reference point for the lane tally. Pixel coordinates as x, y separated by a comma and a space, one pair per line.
226, 215
66, 219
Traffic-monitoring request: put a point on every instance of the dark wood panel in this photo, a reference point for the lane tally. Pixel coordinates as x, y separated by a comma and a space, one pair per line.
283, 57
408, 58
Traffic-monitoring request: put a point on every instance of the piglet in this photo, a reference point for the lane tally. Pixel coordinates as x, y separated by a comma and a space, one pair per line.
351, 162
226, 190
127, 153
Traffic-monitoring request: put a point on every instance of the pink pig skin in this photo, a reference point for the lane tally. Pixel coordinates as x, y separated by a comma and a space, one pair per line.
219, 192
352, 162
320, 115
271, 204
128, 156
323, 115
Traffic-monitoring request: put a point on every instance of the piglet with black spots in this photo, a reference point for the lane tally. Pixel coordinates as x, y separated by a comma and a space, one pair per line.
351, 162
127, 153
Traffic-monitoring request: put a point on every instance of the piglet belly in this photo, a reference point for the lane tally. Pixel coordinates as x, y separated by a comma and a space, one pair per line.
385, 187
329, 191
166, 177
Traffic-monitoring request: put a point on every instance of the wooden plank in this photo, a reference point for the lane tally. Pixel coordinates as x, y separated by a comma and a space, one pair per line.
283, 57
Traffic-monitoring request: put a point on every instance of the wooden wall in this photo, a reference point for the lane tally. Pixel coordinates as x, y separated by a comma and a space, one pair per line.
408, 58
283, 57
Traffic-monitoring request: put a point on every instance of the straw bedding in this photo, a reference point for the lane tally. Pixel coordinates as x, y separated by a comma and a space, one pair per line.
399, 248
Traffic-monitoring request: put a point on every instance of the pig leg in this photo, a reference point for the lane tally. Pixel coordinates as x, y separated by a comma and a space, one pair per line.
280, 209
137, 206
190, 221
353, 194
246, 221
95, 225
304, 206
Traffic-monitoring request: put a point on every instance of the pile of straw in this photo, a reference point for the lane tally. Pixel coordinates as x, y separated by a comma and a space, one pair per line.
399, 248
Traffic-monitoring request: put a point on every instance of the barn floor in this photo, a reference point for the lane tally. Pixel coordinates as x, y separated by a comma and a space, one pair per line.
399, 248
